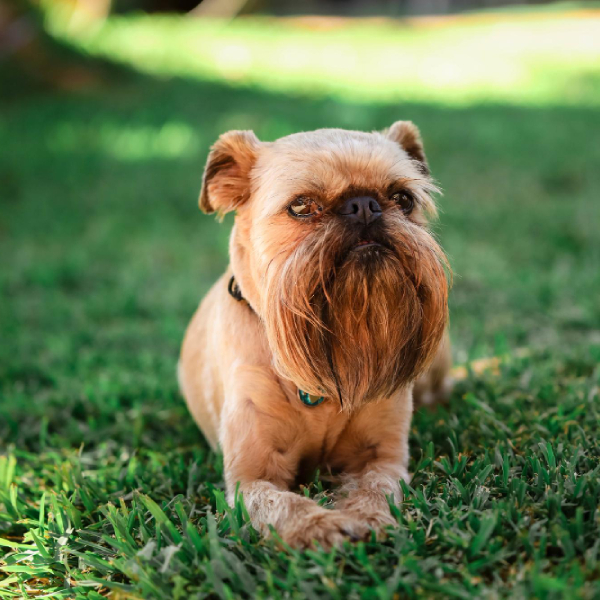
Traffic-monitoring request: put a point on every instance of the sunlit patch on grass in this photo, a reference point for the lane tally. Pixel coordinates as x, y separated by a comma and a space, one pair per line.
508, 58
125, 142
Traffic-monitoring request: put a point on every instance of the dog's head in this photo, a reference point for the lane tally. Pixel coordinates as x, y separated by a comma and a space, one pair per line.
331, 249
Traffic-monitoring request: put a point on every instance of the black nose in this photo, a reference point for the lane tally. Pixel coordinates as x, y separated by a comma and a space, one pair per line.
362, 209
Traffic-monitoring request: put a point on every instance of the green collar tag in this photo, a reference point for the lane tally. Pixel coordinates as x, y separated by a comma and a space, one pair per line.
310, 400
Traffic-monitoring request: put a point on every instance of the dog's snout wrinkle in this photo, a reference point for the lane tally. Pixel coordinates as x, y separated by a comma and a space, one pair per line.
360, 209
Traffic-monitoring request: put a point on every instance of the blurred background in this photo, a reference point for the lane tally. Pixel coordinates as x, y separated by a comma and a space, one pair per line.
107, 111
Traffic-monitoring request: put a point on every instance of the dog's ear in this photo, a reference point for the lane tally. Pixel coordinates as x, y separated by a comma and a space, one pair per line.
226, 180
408, 136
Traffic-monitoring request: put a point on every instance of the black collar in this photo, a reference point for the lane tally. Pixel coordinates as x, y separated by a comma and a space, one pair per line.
234, 291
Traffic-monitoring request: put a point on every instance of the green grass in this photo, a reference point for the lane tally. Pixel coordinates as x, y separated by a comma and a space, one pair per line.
105, 482
539, 58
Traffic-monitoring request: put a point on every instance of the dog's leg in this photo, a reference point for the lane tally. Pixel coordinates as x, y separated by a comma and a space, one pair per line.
364, 497
374, 451
435, 385
298, 520
263, 441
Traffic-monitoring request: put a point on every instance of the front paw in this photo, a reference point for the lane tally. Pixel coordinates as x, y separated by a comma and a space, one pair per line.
376, 520
329, 528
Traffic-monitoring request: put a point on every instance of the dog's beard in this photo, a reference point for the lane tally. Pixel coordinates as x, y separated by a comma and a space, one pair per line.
352, 323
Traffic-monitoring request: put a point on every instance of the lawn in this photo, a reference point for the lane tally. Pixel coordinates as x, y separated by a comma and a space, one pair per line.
105, 482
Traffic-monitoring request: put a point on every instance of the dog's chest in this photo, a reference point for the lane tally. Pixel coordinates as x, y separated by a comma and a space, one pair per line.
323, 426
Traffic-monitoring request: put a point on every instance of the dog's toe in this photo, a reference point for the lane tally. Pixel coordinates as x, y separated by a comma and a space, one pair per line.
328, 528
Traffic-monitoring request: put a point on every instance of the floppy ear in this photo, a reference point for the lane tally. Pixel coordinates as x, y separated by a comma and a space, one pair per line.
408, 136
226, 182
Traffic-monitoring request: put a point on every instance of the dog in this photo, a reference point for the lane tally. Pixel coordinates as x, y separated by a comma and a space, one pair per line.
305, 353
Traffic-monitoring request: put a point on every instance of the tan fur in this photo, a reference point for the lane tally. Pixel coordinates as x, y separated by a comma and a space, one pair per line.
357, 326
436, 383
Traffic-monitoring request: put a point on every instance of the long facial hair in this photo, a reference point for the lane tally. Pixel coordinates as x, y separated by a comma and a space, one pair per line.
357, 324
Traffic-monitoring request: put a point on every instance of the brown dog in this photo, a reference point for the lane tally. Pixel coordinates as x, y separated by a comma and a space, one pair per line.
304, 354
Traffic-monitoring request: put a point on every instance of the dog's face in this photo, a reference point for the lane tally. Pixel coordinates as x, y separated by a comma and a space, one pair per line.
331, 249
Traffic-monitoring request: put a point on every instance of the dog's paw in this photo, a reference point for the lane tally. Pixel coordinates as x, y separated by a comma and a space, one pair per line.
329, 528
377, 521
371, 507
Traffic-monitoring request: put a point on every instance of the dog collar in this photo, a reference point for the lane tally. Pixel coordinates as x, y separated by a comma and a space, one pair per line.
234, 291
308, 399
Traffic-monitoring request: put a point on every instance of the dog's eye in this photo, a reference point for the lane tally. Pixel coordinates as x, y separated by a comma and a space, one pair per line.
304, 207
405, 201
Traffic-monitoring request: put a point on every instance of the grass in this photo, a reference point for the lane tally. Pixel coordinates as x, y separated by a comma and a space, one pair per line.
106, 484
538, 58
